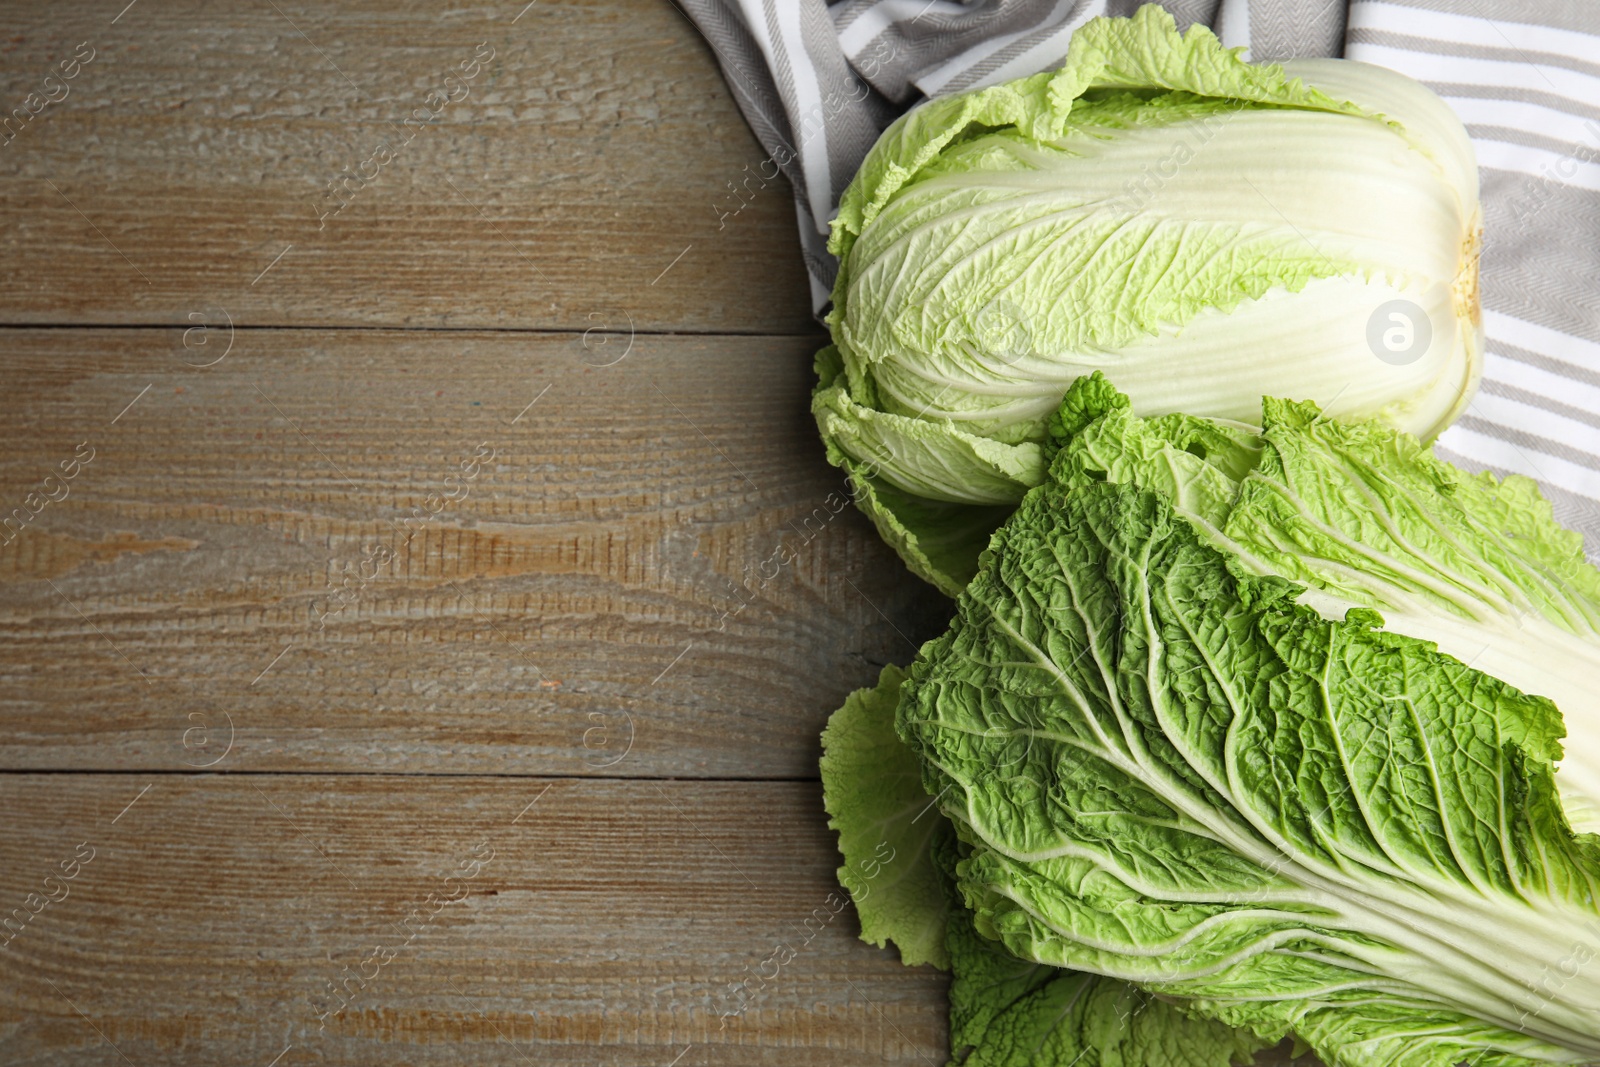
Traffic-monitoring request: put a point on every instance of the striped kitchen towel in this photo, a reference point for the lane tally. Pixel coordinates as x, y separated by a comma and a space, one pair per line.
818, 82
1526, 82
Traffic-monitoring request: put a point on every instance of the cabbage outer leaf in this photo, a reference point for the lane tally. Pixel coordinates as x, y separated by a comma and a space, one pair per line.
940, 541
997, 245
887, 825
900, 861
1368, 517
1176, 775
1009, 1012
927, 459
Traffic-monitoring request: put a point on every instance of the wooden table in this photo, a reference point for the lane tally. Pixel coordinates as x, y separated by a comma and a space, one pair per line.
399, 423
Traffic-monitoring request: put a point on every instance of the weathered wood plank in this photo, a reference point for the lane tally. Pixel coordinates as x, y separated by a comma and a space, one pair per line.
227, 919
265, 550
198, 144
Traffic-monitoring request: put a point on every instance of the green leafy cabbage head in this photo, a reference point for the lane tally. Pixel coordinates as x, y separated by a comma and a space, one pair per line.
1205, 230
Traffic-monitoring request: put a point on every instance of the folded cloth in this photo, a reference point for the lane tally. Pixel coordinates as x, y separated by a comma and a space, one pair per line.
818, 83
1527, 85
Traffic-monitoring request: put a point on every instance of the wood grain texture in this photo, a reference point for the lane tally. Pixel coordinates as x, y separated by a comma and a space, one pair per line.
606, 924
196, 145
309, 510
655, 573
